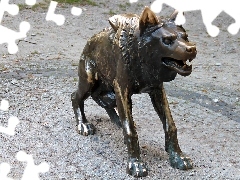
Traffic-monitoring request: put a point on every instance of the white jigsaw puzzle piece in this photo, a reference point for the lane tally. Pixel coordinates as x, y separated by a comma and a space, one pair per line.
12, 9
51, 16
12, 123
210, 10
31, 171
4, 105
30, 2
4, 170
133, 1
76, 11
9, 36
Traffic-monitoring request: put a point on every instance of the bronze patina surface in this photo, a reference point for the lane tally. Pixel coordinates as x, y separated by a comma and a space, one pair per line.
134, 55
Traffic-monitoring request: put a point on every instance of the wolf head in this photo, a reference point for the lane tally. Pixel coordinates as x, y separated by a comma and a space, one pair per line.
165, 42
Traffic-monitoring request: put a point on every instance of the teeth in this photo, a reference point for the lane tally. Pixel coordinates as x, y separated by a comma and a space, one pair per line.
188, 62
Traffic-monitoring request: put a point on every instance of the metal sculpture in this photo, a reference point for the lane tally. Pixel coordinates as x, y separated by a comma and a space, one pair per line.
134, 55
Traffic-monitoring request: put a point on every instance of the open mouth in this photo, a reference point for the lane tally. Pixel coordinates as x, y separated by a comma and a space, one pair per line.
182, 67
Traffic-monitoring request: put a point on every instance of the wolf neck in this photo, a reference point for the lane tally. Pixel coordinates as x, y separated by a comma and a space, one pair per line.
124, 36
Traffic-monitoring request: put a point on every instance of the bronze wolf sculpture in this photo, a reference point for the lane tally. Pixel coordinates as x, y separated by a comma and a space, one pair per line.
134, 55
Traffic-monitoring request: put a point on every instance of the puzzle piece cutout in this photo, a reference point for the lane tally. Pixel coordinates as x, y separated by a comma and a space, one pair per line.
58, 18
51, 16
4, 105
4, 170
30, 2
76, 11
7, 35
210, 10
12, 123
31, 171
133, 1
12, 9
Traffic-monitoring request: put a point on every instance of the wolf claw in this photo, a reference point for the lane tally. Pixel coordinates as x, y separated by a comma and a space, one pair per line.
86, 129
136, 168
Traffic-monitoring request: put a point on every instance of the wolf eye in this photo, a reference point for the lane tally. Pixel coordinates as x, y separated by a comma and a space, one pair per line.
185, 39
167, 41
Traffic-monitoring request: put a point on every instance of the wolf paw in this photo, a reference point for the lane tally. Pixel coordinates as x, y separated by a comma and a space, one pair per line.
180, 161
136, 168
86, 129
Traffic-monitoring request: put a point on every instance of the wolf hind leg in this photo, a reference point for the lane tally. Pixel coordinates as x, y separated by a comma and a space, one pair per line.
83, 126
78, 97
108, 102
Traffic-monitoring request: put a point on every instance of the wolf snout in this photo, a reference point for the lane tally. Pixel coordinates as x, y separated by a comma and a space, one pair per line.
191, 49
191, 52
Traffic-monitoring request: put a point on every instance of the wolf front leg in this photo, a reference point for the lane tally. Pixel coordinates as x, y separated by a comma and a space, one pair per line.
135, 166
176, 157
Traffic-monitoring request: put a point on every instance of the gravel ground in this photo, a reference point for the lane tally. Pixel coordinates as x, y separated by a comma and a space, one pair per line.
39, 79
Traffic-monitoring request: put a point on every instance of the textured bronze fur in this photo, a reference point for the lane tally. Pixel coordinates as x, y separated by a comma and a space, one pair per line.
135, 55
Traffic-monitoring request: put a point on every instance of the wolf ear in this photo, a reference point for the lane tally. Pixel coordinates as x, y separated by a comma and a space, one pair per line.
147, 18
177, 17
173, 16
113, 21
